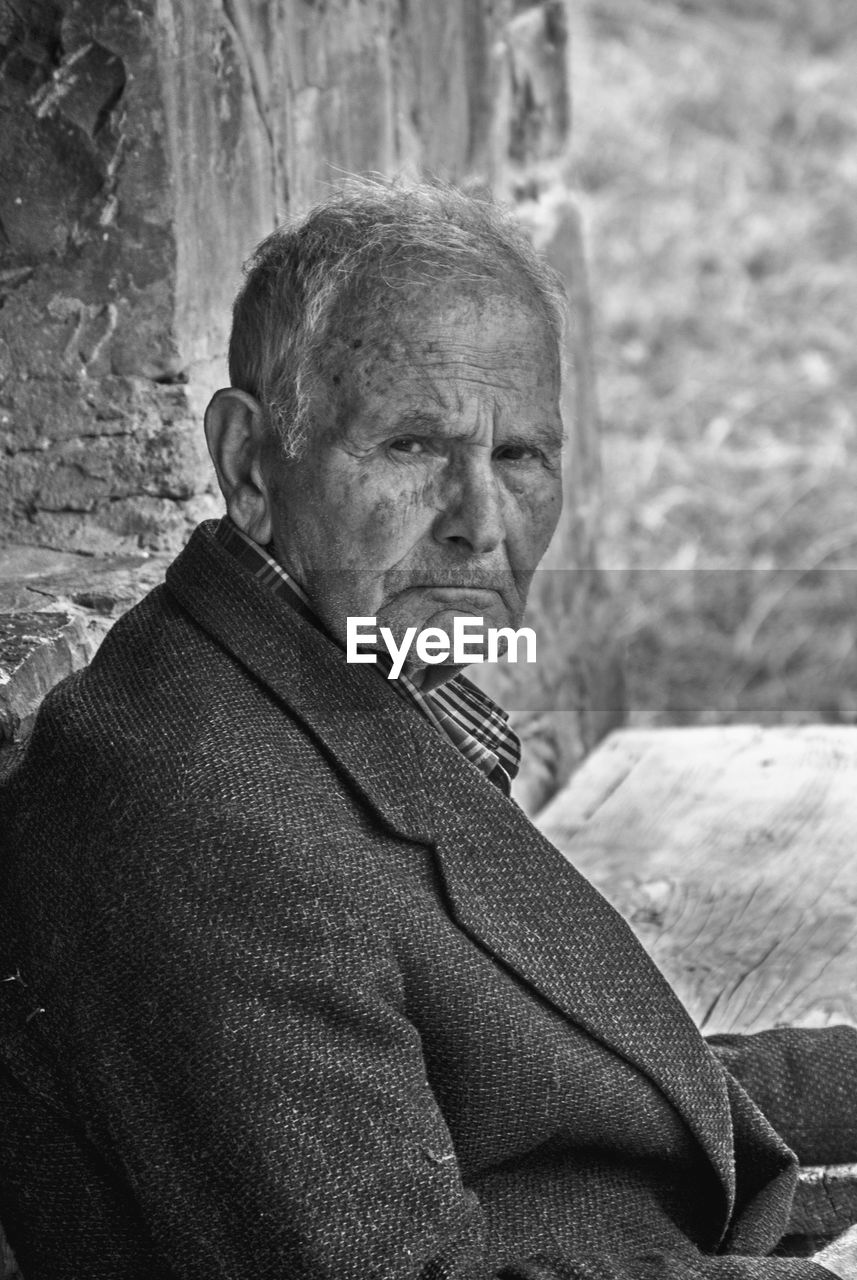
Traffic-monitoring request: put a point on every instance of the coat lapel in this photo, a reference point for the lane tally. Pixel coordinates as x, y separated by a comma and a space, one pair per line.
541, 918
348, 710
508, 888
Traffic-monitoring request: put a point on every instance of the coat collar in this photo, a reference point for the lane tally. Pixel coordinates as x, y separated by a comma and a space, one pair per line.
517, 897
349, 710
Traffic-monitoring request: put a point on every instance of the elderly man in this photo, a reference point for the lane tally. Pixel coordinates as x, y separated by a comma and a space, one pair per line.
292, 986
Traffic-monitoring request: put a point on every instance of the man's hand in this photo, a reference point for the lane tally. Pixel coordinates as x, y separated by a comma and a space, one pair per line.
840, 1256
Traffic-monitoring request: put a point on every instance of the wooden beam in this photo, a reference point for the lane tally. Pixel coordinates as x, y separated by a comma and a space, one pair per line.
731, 853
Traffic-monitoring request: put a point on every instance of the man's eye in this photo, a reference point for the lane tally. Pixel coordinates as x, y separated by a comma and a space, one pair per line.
407, 444
516, 453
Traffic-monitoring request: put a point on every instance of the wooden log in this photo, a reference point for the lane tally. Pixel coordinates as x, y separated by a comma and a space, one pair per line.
730, 852
825, 1204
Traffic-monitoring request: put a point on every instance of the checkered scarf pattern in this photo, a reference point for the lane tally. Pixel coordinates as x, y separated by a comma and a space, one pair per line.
473, 723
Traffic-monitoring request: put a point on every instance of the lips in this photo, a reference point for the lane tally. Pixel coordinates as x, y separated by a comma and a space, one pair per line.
456, 593
465, 584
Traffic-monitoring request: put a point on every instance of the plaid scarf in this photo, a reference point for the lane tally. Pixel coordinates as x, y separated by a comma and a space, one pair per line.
472, 722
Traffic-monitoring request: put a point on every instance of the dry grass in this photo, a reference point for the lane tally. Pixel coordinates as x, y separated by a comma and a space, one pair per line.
716, 163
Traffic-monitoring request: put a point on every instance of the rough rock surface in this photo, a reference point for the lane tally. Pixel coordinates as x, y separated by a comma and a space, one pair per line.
55, 609
146, 147
100, 445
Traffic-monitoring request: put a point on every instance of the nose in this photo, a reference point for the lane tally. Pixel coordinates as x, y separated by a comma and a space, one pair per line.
471, 514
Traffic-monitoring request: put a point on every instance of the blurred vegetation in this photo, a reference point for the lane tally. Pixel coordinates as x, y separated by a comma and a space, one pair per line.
716, 165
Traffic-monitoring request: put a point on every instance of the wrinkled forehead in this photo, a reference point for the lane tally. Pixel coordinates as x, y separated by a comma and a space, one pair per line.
413, 321
452, 355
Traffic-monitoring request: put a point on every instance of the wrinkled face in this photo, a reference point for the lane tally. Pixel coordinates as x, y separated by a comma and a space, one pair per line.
435, 486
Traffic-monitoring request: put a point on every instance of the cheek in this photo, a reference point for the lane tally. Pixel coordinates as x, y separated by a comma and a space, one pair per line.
405, 510
378, 525
538, 510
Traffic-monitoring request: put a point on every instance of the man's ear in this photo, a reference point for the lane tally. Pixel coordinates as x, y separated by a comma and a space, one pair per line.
237, 438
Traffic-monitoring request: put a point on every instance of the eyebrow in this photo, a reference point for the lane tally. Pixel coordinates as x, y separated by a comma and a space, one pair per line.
425, 421
422, 420
547, 434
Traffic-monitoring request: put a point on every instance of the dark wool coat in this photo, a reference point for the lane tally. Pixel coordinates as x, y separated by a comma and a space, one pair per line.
296, 992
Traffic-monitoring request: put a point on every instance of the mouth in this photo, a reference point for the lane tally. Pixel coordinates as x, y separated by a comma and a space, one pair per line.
473, 595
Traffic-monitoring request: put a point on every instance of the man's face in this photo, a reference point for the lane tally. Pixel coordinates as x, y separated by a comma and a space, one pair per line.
433, 489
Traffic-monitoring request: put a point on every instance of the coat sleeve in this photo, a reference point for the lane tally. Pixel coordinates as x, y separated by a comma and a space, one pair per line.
804, 1081
246, 1061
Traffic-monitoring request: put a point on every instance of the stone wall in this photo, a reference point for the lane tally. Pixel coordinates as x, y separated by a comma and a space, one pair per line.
146, 147
96, 415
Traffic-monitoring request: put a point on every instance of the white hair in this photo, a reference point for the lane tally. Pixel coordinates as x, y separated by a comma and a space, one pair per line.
368, 246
